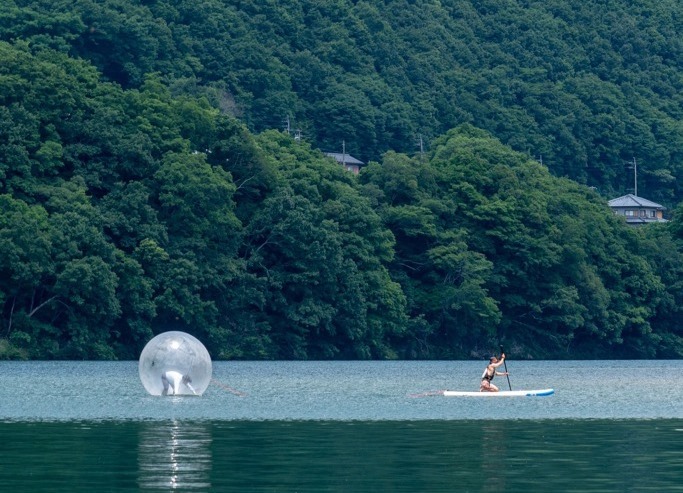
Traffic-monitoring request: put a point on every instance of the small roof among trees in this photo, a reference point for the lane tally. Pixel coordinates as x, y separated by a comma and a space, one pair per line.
633, 201
344, 158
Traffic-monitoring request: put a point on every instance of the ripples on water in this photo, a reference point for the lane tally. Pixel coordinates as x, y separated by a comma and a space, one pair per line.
344, 391
336, 456
342, 427
174, 455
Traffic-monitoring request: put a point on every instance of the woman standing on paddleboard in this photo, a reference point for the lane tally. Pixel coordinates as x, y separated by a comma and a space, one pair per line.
490, 372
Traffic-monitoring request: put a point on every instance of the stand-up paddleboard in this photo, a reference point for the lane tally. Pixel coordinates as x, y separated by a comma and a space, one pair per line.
502, 393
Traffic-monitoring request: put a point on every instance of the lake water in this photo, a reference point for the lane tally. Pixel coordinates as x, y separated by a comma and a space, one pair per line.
612, 426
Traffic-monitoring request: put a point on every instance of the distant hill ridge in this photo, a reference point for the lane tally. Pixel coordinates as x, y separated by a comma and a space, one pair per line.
583, 86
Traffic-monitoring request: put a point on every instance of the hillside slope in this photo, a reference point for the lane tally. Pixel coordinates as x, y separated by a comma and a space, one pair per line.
583, 86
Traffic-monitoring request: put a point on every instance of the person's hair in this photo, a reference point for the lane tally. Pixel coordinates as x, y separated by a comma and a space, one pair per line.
491, 359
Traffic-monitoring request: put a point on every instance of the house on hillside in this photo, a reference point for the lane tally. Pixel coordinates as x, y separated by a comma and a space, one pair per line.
637, 210
349, 162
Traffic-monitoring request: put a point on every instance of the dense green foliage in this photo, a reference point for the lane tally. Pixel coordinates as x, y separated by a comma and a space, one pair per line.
114, 225
487, 238
141, 191
586, 86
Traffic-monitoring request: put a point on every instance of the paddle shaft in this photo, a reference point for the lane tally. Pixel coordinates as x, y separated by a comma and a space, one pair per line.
506, 367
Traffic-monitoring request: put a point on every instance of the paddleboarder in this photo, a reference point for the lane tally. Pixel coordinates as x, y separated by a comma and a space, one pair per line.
490, 372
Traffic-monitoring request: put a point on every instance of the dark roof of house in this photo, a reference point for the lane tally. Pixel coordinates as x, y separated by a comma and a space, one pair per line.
634, 201
344, 158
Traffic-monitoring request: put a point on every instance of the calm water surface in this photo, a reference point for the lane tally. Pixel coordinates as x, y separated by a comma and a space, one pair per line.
612, 426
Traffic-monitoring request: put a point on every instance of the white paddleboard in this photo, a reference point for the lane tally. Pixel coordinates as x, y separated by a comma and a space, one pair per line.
502, 393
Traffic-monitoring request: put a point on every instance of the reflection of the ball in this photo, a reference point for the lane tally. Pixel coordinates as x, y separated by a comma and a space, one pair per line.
175, 363
174, 457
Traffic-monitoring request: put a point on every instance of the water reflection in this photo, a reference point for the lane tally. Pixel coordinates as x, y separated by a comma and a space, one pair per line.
174, 456
493, 453
606, 456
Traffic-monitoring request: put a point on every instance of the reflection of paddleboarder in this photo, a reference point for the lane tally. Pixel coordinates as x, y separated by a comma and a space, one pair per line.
173, 380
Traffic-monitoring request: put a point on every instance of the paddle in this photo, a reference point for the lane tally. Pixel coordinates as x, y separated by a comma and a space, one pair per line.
502, 351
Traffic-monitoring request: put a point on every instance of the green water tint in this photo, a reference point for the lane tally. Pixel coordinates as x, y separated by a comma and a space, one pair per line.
332, 456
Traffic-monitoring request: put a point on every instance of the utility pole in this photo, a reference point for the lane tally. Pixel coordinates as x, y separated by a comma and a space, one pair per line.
635, 177
287, 125
633, 165
421, 144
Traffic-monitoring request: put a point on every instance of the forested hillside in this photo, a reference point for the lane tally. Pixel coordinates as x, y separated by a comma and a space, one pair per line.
584, 86
146, 182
